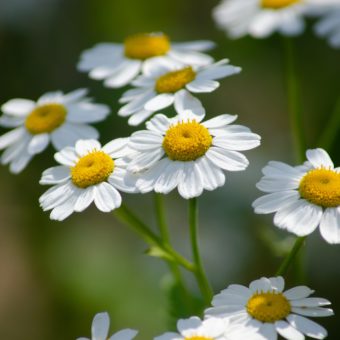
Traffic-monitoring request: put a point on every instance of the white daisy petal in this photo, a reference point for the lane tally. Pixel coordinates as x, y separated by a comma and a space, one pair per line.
100, 326
260, 285
136, 104
86, 112
159, 123
106, 197
10, 121
306, 326
125, 334
144, 161
145, 140
116, 148
11, 137
237, 142
18, 107
219, 72
191, 58
202, 86
227, 160
69, 133
287, 331
273, 202
169, 178
83, 147
64, 210
330, 225
319, 158
191, 184
271, 184
211, 175
185, 101
198, 45
219, 121
299, 292
313, 312
67, 156
20, 162
15, 150
85, 198
300, 217
277, 283
124, 75
55, 175
75, 96
38, 143
139, 117
268, 331
159, 102
169, 336
310, 302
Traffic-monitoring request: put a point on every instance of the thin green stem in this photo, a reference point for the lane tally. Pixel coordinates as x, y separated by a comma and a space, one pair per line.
161, 220
126, 216
294, 105
291, 256
199, 272
328, 136
164, 230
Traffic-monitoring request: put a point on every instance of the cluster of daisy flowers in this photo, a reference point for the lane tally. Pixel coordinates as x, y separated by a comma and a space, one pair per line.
261, 311
187, 152
261, 18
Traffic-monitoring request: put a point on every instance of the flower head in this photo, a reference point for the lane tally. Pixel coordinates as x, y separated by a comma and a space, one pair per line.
261, 18
119, 64
56, 117
266, 307
189, 154
303, 197
100, 330
168, 82
88, 173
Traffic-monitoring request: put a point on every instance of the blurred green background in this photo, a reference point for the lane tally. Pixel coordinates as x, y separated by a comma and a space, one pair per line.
54, 277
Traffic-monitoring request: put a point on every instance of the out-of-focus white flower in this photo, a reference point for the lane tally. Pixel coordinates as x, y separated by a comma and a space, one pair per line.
166, 82
119, 64
100, 330
261, 18
303, 197
58, 118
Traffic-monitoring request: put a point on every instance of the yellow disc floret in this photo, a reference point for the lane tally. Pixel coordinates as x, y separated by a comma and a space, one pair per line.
186, 141
92, 169
143, 46
174, 81
268, 307
198, 337
277, 4
45, 118
321, 187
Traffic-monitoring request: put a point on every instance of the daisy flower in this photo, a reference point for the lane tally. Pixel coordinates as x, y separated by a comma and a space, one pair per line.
100, 330
266, 307
189, 154
166, 82
329, 27
88, 172
58, 118
303, 197
210, 329
118, 64
261, 18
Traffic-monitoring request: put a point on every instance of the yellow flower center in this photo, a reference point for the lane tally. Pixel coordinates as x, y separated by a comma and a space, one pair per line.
45, 118
321, 187
277, 4
174, 81
186, 141
92, 169
268, 307
143, 46
198, 337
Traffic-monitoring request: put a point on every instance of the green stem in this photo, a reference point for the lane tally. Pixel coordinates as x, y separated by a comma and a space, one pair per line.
163, 227
294, 105
291, 256
328, 136
126, 216
199, 272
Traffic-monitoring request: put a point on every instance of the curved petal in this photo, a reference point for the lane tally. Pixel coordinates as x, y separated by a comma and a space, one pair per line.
330, 225
106, 197
306, 326
100, 326
38, 143
55, 175
18, 107
319, 158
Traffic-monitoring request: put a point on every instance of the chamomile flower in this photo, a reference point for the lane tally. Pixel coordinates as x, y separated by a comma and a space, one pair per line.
329, 27
58, 118
118, 64
266, 307
261, 18
165, 82
303, 197
186, 153
88, 173
100, 330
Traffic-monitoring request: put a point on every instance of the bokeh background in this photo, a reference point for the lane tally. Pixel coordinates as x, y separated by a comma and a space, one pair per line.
55, 276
